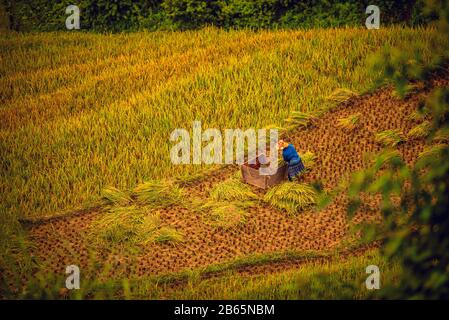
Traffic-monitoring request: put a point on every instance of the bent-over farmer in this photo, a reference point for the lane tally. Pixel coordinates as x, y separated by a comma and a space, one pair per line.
295, 165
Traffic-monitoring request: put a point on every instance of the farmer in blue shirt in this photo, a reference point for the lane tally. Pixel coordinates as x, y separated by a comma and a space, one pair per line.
295, 165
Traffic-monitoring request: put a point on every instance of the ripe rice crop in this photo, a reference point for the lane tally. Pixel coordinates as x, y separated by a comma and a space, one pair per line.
421, 130
349, 123
389, 138
81, 112
291, 197
131, 225
232, 189
226, 215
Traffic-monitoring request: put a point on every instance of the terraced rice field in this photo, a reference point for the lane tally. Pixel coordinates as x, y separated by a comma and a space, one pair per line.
84, 113
63, 241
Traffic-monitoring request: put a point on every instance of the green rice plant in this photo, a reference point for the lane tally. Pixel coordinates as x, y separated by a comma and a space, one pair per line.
389, 138
421, 130
232, 190
226, 214
301, 119
349, 123
114, 196
158, 193
341, 95
308, 158
291, 197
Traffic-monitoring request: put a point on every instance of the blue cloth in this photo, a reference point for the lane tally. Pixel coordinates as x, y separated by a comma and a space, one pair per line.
295, 167
294, 162
289, 154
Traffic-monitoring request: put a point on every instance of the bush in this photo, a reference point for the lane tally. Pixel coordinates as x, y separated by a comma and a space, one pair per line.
416, 228
129, 15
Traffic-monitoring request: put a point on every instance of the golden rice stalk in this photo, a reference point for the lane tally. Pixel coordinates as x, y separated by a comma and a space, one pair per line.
225, 214
237, 175
432, 151
301, 119
386, 158
308, 158
158, 193
281, 161
124, 225
232, 190
114, 196
291, 197
132, 225
417, 115
442, 135
350, 122
389, 138
422, 130
168, 235
340, 95
275, 127
188, 179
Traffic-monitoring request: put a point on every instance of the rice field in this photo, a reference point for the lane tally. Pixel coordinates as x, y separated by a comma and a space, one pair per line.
81, 112
86, 123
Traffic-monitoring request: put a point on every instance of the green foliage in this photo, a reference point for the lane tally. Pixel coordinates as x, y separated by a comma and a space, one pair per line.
387, 158
188, 14
291, 197
128, 15
399, 65
98, 15
415, 228
328, 280
308, 14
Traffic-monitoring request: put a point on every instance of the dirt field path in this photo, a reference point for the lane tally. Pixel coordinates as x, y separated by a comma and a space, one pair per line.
63, 241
